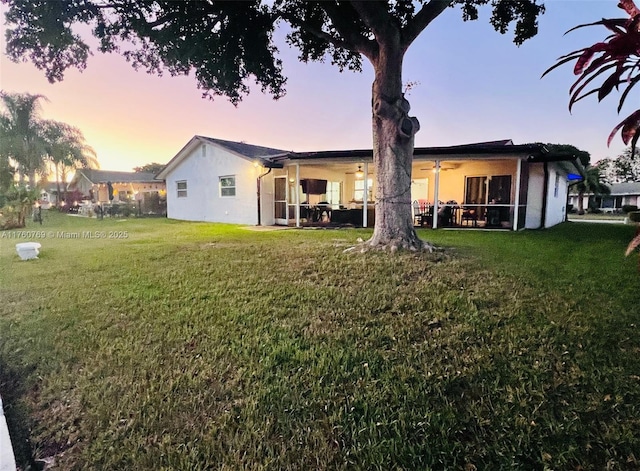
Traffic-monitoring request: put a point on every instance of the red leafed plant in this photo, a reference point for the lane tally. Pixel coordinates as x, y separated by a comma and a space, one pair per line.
619, 56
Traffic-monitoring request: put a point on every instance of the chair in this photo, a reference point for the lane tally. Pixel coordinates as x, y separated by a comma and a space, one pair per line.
445, 216
324, 211
469, 215
417, 214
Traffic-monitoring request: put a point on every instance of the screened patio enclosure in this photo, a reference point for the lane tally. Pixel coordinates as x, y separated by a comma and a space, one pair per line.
449, 192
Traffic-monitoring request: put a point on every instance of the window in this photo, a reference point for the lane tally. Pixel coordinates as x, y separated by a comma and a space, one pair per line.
333, 193
228, 186
556, 188
182, 188
358, 194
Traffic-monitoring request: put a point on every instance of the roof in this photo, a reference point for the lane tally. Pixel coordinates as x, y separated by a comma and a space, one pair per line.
619, 189
104, 176
629, 188
502, 147
248, 150
268, 156
275, 158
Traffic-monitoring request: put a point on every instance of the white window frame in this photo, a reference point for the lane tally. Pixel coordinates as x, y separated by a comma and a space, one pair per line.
358, 193
181, 192
230, 187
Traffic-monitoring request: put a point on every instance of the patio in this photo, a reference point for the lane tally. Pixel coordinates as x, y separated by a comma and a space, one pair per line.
461, 193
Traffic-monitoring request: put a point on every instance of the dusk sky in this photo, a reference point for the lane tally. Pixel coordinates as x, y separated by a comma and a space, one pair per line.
474, 85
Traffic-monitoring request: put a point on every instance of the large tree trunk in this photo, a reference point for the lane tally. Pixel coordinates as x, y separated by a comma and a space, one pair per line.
393, 142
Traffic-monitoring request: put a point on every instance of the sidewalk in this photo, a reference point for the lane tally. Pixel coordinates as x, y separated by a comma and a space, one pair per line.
7, 460
598, 221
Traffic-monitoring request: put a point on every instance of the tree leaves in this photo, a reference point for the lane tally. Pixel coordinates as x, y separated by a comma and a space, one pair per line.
619, 51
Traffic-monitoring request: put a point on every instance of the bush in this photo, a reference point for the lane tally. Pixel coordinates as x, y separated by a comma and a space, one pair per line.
627, 208
18, 201
634, 216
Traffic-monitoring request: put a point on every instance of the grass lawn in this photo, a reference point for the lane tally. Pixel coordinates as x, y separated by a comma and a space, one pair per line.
192, 346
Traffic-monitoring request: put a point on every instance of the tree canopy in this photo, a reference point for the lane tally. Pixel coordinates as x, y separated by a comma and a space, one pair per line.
153, 167
223, 43
622, 169
31, 146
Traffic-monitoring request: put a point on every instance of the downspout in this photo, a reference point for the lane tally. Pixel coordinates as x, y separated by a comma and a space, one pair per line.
259, 183
516, 200
545, 196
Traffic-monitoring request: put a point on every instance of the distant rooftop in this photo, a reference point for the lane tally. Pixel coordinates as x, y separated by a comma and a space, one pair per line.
104, 176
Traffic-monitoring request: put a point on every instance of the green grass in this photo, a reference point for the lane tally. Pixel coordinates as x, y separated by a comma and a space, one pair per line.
597, 216
191, 346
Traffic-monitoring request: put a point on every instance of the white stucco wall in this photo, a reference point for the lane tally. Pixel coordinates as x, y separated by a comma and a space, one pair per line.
556, 201
556, 198
267, 192
202, 170
534, 197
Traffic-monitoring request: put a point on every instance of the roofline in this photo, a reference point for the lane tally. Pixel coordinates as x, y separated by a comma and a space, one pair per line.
528, 150
182, 153
175, 159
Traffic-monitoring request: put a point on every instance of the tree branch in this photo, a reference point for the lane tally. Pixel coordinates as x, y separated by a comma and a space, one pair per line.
360, 43
377, 18
318, 32
421, 20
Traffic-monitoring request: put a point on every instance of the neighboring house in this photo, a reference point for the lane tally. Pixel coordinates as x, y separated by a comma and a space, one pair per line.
125, 187
49, 195
622, 194
502, 184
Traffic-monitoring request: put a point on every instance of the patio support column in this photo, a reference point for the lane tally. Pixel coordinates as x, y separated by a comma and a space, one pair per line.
436, 191
365, 197
517, 198
297, 190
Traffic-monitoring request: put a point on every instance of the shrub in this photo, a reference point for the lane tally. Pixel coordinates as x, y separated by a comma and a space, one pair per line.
18, 201
627, 208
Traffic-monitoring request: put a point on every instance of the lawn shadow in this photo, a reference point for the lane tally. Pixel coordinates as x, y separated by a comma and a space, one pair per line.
14, 392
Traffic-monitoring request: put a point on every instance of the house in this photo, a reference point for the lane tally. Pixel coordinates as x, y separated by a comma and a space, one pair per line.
216, 181
622, 194
124, 187
48, 196
491, 184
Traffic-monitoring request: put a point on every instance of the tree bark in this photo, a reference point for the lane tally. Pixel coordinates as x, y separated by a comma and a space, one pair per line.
393, 143
581, 202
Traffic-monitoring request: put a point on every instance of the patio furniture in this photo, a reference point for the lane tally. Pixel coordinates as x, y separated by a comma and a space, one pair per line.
422, 213
469, 215
445, 216
493, 217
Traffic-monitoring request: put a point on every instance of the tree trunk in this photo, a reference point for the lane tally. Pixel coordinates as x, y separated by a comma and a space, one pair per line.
581, 202
393, 142
58, 195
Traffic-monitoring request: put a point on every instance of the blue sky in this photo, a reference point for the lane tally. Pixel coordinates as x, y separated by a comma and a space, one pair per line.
474, 85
